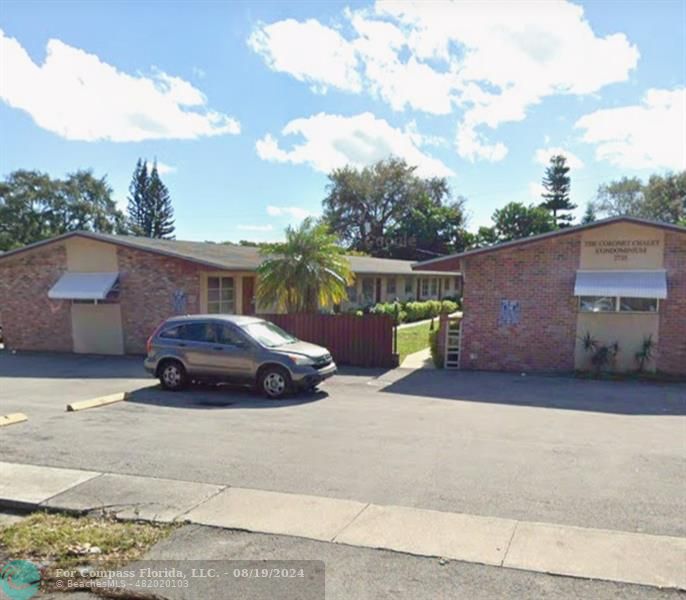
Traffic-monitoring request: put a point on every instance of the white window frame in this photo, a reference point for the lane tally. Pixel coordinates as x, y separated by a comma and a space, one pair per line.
221, 306
617, 307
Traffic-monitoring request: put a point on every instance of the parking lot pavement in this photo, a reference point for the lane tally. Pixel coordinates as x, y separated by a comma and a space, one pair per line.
595, 454
364, 573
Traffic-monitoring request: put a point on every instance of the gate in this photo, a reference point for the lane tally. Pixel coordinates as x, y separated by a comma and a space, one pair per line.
452, 343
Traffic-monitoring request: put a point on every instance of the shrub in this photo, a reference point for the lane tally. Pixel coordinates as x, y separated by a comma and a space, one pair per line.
436, 349
448, 306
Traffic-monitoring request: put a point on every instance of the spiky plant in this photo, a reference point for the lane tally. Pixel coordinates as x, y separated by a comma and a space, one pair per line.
307, 271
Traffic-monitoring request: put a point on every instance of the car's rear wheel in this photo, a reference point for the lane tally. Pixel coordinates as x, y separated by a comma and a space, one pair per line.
172, 375
274, 382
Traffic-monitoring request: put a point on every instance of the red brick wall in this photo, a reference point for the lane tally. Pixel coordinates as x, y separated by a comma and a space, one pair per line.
148, 283
540, 276
672, 335
29, 319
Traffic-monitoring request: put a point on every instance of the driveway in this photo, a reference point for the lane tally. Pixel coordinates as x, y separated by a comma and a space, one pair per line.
595, 454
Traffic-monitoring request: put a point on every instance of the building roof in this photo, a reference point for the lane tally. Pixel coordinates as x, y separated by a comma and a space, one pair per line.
418, 266
226, 256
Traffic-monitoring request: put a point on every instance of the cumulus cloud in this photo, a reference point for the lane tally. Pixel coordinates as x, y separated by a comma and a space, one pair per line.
489, 60
162, 168
542, 157
333, 141
294, 212
649, 135
309, 52
79, 97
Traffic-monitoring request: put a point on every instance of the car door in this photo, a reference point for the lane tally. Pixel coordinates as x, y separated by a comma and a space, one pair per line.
233, 354
195, 341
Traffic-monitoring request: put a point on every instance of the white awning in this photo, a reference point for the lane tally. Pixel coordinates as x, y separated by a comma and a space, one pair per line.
83, 286
630, 284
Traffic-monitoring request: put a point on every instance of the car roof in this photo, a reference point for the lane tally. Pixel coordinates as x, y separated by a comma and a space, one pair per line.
235, 319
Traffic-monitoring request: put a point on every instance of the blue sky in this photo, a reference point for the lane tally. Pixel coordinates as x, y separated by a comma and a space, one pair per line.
247, 105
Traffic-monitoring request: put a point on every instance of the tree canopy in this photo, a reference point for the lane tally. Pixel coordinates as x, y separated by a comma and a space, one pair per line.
387, 210
34, 207
662, 198
307, 271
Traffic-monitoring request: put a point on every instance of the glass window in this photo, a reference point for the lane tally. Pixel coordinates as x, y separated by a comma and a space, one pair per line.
228, 335
638, 304
597, 303
352, 293
390, 286
368, 289
425, 287
268, 334
198, 332
446, 285
171, 333
220, 295
409, 286
434, 286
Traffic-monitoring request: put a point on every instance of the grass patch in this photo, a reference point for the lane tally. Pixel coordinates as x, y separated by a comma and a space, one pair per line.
413, 339
61, 541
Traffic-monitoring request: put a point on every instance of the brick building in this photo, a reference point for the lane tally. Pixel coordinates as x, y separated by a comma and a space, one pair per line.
104, 294
529, 303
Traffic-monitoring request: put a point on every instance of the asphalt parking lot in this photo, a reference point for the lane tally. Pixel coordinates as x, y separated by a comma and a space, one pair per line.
595, 454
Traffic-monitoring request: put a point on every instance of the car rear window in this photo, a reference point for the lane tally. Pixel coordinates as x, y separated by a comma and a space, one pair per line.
191, 332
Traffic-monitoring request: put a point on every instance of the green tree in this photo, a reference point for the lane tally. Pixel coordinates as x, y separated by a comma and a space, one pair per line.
557, 185
150, 211
367, 208
34, 207
307, 271
662, 198
590, 215
515, 220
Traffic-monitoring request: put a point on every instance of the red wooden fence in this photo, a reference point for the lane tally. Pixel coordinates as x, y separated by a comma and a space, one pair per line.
365, 341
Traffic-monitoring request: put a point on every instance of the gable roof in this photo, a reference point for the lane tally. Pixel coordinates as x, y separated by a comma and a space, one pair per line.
542, 236
223, 256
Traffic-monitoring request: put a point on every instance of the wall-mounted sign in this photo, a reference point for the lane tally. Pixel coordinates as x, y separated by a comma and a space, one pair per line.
180, 302
510, 312
621, 249
622, 246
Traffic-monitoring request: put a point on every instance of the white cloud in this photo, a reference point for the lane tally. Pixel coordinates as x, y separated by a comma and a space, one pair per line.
255, 227
650, 135
309, 52
162, 168
294, 212
542, 157
536, 189
77, 96
334, 141
489, 60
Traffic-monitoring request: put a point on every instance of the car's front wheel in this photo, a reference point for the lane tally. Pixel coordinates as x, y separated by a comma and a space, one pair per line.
274, 382
172, 375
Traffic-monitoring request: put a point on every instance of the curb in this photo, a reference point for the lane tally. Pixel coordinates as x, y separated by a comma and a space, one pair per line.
12, 418
95, 402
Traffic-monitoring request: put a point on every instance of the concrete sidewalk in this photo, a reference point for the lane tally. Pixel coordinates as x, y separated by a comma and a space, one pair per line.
539, 547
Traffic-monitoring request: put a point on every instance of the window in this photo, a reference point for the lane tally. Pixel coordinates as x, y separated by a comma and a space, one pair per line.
638, 304
434, 286
352, 293
596, 304
390, 286
268, 334
425, 287
220, 295
409, 286
198, 332
446, 286
606, 304
368, 290
171, 333
228, 335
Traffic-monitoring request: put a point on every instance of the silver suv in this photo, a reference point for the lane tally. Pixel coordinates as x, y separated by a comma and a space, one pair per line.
235, 348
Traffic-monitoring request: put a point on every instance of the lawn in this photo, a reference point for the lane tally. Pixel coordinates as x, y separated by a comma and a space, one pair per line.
413, 338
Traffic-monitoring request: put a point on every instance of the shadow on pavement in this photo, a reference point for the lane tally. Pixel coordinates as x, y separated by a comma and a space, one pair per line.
560, 392
212, 397
56, 365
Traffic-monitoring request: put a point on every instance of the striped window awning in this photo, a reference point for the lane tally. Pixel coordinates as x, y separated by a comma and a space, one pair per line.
629, 284
83, 286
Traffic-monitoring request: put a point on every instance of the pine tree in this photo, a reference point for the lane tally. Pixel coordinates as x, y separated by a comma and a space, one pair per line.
557, 185
590, 215
137, 208
150, 212
162, 212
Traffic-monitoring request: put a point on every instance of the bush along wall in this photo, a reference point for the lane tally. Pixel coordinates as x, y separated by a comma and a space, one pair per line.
409, 312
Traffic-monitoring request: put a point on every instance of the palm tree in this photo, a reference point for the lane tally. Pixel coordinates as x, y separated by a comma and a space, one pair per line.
305, 272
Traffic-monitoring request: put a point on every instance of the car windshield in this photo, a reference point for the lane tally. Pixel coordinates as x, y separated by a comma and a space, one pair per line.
268, 334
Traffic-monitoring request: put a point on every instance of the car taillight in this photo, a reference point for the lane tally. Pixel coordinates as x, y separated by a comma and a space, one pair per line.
148, 343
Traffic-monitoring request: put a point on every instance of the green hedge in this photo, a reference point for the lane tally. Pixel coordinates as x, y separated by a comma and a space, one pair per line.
416, 311
436, 348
